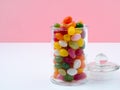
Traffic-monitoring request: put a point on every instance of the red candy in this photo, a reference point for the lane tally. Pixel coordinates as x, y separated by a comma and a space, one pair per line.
80, 76
67, 20
79, 52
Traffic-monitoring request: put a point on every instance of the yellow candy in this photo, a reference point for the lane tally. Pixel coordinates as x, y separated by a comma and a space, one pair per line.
63, 53
57, 45
78, 31
66, 37
80, 42
71, 30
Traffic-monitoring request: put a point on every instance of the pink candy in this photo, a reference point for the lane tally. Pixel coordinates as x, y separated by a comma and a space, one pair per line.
75, 37
60, 77
71, 53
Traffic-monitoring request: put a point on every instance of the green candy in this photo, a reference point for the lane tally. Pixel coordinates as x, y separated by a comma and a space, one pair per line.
58, 59
79, 25
65, 66
57, 25
68, 78
58, 65
73, 45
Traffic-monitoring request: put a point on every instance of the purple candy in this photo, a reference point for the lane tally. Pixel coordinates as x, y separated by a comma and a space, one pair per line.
79, 52
71, 53
68, 60
80, 76
83, 34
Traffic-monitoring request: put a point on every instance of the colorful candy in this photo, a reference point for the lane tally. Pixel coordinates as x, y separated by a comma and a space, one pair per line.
77, 64
68, 78
62, 72
71, 53
74, 45
63, 43
58, 59
75, 37
67, 20
63, 52
66, 37
69, 58
71, 30
57, 45
80, 76
72, 71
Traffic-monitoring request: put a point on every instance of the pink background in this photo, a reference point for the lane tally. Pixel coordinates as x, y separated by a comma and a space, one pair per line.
30, 20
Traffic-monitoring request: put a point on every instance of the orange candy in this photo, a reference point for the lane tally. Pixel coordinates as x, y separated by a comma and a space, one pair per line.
67, 20
59, 36
81, 57
80, 70
82, 64
56, 73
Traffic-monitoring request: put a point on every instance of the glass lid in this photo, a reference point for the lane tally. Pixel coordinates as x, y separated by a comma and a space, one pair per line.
101, 64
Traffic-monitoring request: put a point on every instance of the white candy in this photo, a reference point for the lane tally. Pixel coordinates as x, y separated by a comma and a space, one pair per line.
63, 43
75, 37
56, 52
77, 64
72, 71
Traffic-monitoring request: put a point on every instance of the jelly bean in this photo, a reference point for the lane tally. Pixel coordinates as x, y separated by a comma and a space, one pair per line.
70, 24
78, 31
75, 37
59, 36
68, 60
81, 57
68, 78
58, 59
65, 66
57, 45
56, 40
71, 30
83, 34
66, 37
71, 53
72, 71
63, 52
57, 25
73, 45
79, 52
63, 43
67, 20
82, 64
80, 42
58, 65
62, 72
80, 70
80, 76
79, 25
55, 73
77, 64
60, 77
56, 52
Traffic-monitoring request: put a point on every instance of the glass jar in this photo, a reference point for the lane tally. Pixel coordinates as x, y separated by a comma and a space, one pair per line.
69, 55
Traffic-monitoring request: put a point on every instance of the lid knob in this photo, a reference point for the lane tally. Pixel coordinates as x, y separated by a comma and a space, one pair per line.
101, 59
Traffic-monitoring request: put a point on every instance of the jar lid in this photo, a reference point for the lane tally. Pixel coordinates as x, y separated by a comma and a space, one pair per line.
101, 64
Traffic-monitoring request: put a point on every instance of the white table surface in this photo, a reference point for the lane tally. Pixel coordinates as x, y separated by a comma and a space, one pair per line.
28, 66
